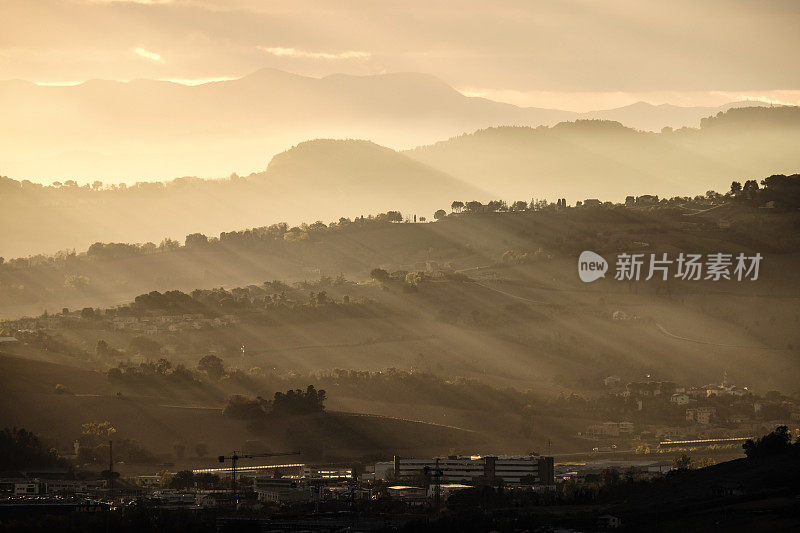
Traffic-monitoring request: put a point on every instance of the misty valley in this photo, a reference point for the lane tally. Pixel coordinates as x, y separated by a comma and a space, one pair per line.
399, 267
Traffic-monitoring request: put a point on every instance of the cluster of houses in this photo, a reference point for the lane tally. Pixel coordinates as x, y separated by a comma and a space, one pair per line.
148, 324
701, 417
153, 325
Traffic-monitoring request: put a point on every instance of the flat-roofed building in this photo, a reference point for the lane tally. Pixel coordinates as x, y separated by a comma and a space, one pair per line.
511, 469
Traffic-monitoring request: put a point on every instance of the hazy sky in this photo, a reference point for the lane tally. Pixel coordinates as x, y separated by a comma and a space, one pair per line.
571, 54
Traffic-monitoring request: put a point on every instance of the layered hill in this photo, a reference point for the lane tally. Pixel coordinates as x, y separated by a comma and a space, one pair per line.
603, 159
327, 179
316, 180
148, 129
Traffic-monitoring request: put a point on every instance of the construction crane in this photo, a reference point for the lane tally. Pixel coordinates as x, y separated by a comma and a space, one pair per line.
234, 458
437, 481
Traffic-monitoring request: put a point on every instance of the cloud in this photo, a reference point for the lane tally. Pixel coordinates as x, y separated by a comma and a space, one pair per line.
147, 54
305, 54
146, 2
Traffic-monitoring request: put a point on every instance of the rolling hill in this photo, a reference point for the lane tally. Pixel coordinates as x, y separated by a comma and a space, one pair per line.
603, 159
327, 179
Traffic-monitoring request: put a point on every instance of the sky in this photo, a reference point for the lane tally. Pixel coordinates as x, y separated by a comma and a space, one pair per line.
571, 54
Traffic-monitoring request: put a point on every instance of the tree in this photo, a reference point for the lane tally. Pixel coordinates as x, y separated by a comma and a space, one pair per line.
212, 366
299, 402
97, 185
440, 214
196, 240
457, 206
496, 205
474, 206
750, 191
519, 205
244, 408
169, 244
773, 443
379, 274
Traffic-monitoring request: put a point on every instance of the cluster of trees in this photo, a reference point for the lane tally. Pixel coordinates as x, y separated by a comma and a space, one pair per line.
210, 368
213, 302
291, 402
264, 235
783, 191
777, 442
169, 302
20, 448
145, 372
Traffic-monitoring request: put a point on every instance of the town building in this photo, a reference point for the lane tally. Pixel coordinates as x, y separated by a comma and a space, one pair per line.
680, 398
700, 415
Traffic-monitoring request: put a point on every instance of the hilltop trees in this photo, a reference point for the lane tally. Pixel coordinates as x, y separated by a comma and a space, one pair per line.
299, 402
473, 206
196, 240
291, 402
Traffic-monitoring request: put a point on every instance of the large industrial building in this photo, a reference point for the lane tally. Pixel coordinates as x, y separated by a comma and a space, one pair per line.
510, 469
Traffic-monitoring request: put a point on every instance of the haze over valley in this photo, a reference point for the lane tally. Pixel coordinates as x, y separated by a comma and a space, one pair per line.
399, 267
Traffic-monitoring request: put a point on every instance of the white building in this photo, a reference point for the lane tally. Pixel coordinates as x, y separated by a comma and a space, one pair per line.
679, 398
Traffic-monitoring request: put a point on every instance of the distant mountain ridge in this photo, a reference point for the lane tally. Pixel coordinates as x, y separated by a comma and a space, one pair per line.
148, 129
604, 159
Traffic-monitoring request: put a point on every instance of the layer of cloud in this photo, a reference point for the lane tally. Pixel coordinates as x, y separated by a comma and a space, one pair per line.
629, 46
147, 54
305, 54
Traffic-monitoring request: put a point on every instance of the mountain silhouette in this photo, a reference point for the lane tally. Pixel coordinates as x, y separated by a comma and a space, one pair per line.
148, 129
